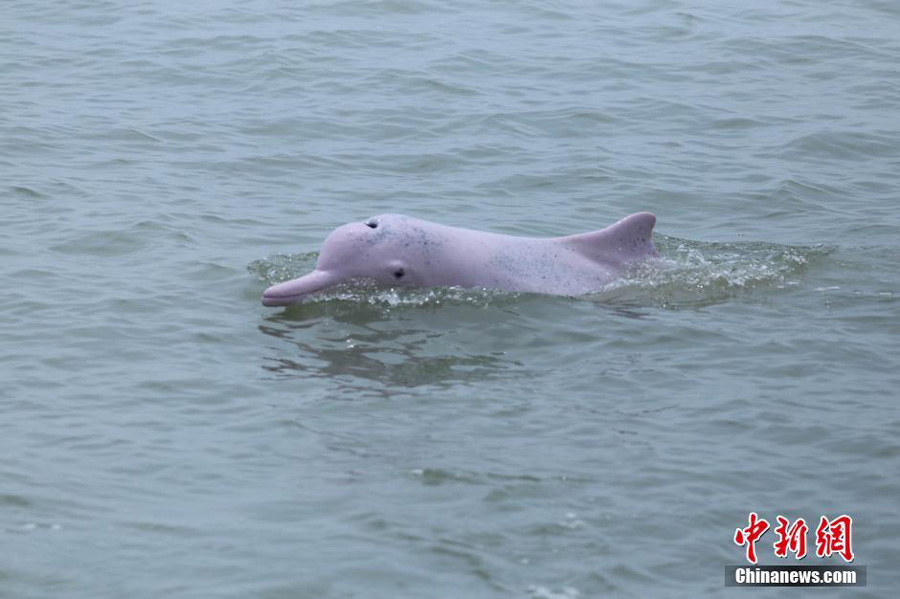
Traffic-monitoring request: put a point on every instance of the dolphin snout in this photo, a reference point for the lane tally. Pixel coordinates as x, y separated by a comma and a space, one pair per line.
271, 297
296, 290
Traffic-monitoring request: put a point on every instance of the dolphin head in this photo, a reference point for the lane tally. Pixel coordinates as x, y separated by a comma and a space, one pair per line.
377, 249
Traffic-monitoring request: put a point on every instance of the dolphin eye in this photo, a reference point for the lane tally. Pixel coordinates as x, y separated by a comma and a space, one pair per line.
371, 224
398, 274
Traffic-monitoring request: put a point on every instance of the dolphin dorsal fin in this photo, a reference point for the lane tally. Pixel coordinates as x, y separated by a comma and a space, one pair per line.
629, 239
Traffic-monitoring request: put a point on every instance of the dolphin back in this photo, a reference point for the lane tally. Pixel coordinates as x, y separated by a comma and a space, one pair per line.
628, 240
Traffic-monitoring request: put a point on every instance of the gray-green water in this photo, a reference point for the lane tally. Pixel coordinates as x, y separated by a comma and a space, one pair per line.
164, 435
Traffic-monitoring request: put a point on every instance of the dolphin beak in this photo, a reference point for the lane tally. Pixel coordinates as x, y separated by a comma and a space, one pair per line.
296, 290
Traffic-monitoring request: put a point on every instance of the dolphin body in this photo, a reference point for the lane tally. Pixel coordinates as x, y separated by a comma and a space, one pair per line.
399, 250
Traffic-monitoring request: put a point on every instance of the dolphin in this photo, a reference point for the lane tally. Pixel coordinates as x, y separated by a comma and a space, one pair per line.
400, 250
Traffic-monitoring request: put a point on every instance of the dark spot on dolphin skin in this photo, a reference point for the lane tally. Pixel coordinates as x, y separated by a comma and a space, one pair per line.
398, 274
426, 243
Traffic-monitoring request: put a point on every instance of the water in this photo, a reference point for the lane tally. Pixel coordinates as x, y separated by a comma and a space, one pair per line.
163, 434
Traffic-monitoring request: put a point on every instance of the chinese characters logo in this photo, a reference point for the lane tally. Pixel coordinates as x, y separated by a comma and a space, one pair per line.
832, 537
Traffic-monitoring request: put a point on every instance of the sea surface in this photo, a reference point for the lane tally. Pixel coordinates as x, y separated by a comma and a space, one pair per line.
162, 434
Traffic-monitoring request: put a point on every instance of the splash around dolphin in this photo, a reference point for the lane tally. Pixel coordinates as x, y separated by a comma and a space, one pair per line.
399, 250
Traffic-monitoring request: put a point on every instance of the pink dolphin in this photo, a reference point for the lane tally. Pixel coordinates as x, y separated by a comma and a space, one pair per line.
401, 250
